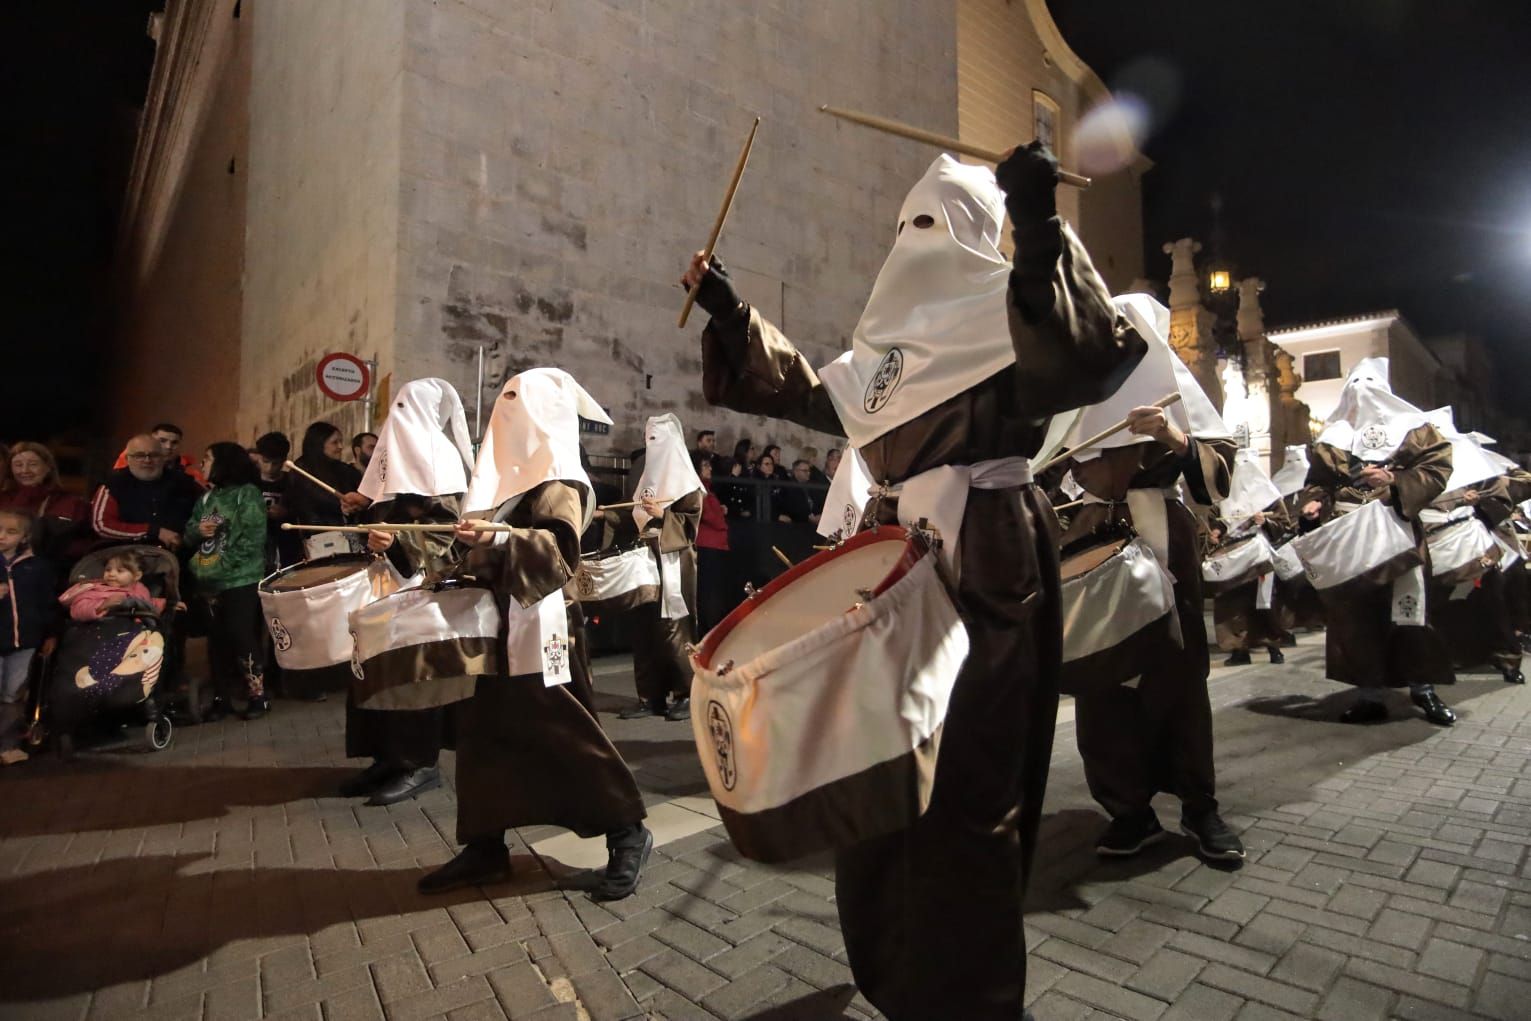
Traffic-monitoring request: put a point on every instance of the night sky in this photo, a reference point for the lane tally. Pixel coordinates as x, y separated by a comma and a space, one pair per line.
1370, 154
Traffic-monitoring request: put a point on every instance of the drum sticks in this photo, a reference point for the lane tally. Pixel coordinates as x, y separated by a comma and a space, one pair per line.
893, 127
631, 503
782, 557
314, 479
717, 226
1162, 402
386, 526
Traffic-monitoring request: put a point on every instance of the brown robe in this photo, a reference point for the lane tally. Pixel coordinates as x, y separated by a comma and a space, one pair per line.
1239, 623
1157, 736
1362, 645
1479, 629
412, 738
529, 754
932, 915
661, 665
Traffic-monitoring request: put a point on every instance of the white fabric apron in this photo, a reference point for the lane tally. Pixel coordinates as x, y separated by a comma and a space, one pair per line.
537, 640
672, 598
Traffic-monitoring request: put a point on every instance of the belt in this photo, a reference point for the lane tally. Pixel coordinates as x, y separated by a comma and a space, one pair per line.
939, 496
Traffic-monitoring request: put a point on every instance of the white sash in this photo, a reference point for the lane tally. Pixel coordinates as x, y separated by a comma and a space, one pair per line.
672, 600
1409, 598
940, 497
537, 640
1266, 589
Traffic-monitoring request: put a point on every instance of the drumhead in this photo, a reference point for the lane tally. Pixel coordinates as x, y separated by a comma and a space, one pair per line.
809, 595
316, 572
1087, 560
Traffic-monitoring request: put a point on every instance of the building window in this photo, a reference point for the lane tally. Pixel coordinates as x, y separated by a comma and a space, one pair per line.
1045, 119
1321, 365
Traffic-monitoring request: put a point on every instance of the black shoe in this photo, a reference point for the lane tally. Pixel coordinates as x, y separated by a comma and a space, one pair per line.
642, 710
1365, 711
1277, 656
478, 864
1436, 711
257, 707
1290, 641
1237, 659
1514, 676
1214, 840
406, 785
216, 710
624, 865
368, 780
1129, 834
681, 710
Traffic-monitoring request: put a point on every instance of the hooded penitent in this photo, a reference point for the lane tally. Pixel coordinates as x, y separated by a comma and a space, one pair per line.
936, 322
1471, 462
424, 446
668, 473
533, 438
1293, 473
1159, 374
1370, 421
1250, 491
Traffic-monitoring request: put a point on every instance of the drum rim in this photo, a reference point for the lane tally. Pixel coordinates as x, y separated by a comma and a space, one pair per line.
867, 537
1125, 541
363, 560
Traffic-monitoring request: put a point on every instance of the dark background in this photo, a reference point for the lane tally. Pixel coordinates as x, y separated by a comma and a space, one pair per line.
1370, 154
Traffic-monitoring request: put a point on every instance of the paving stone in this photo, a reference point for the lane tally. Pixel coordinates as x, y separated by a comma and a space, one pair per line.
1212, 950
1236, 905
1502, 997
1452, 962
1422, 986
1400, 929
1166, 975
1253, 987
1110, 997
1137, 941
685, 976
1270, 933
1203, 1003
1351, 1000
520, 989
1308, 966
743, 996
1358, 901
606, 997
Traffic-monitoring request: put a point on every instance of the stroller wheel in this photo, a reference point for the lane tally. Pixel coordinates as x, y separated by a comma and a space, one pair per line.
157, 733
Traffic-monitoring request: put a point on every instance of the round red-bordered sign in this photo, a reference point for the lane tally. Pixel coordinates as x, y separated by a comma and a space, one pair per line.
343, 377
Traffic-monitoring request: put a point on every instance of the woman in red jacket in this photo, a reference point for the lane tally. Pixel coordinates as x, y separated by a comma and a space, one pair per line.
61, 531
712, 570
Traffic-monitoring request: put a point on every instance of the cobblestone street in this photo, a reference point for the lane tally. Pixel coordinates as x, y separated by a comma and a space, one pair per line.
1387, 877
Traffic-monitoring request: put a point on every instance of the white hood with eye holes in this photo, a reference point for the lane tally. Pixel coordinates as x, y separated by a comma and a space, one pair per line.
936, 322
1370, 421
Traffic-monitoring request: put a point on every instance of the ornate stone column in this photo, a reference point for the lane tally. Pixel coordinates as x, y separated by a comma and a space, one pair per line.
1293, 413
1190, 321
1259, 414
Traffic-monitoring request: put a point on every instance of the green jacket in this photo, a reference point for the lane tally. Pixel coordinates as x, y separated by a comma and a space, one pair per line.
236, 554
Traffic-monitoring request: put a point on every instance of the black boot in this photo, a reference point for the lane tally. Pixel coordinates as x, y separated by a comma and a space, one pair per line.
1129, 834
627, 851
642, 710
1240, 658
1512, 675
406, 784
1276, 656
368, 780
681, 710
1436, 711
257, 707
1214, 840
481, 863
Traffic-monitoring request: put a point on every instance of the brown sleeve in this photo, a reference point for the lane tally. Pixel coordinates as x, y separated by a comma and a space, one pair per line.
1421, 467
540, 558
1494, 503
677, 527
1208, 468
749, 366
1071, 346
1518, 485
1326, 476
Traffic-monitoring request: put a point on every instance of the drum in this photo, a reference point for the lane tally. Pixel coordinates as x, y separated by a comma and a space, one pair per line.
1287, 563
1462, 549
817, 704
615, 582
1118, 611
307, 606
1237, 563
1371, 545
423, 648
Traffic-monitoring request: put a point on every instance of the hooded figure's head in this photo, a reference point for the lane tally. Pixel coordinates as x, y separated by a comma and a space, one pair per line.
1370, 421
424, 446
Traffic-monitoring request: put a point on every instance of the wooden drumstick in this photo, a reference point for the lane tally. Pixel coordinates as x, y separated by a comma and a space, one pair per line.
292, 467
914, 134
388, 526
717, 226
1163, 402
630, 504
288, 526
1068, 506
782, 557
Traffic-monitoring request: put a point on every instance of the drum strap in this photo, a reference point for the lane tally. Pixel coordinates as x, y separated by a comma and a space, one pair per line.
1149, 520
939, 496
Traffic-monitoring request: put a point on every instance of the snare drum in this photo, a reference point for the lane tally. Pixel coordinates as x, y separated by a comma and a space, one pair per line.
615, 582
1288, 564
423, 648
307, 606
817, 704
1462, 549
1371, 545
1118, 611
1237, 563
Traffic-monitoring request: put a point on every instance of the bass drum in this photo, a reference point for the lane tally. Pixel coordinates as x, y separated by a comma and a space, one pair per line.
1118, 610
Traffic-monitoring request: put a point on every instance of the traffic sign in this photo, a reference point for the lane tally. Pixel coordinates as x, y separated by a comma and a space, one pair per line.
343, 377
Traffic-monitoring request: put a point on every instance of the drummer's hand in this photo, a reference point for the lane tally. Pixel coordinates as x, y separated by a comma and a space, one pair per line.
471, 531
1259, 517
208, 527
350, 503
1312, 509
1152, 421
1471, 497
377, 541
716, 294
650, 507
1376, 478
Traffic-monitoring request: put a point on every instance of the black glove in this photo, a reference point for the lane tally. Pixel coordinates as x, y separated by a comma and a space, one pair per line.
1029, 178
716, 293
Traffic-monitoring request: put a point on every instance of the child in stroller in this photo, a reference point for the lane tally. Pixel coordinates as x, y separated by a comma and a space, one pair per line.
122, 602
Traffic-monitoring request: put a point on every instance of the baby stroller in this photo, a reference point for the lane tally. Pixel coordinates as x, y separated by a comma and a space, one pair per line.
108, 670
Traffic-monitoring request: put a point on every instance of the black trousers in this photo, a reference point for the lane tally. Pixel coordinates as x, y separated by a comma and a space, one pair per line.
660, 666
235, 643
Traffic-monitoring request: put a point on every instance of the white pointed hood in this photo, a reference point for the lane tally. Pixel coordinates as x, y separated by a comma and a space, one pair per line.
668, 473
1250, 490
936, 322
1161, 372
533, 437
1470, 462
424, 446
1370, 421
1293, 473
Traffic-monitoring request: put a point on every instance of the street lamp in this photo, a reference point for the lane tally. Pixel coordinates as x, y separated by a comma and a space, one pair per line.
1219, 281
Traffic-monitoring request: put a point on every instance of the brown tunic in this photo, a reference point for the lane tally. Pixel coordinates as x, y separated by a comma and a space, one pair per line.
529, 754
1157, 736
932, 915
661, 665
1479, 628
1239, 623
1362, 645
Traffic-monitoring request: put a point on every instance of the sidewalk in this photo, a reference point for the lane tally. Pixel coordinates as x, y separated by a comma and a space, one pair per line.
1387, 877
